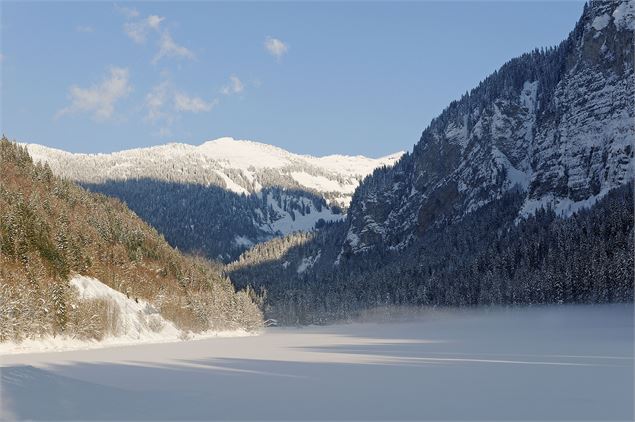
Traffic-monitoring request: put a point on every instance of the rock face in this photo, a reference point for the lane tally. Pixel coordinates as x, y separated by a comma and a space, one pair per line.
557, 124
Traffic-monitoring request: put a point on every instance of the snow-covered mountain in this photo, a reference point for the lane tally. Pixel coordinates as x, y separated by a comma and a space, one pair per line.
223, 196
243, 167
458, 222
558, 124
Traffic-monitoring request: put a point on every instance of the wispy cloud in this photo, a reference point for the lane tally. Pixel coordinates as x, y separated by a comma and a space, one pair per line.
154, 21
235, 86
164, 106
164, 132
84, 28
137, 30
168, 48
276, 47
128, 12
183, 102
155, 103
100, 99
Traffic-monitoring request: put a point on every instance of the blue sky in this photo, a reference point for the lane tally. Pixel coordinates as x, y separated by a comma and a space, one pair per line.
316, 78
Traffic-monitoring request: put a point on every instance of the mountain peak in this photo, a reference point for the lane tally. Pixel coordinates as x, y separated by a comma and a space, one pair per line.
601, 14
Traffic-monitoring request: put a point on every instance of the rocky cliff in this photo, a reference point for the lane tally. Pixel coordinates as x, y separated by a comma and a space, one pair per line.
557, 124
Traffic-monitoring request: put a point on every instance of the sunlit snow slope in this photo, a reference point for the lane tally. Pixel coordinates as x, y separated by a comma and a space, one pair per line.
236, 165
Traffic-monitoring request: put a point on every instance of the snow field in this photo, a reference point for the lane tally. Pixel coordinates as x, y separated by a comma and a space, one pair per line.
539, 363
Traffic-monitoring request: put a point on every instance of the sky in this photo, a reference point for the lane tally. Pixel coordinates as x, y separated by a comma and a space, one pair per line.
313, 77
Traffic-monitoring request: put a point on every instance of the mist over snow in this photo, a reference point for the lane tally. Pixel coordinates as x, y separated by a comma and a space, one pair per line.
542, 363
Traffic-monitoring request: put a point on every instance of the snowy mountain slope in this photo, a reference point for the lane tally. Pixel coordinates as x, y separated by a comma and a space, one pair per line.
238, 166
558, 124
51, 230
459, 221
223, 196
134, 322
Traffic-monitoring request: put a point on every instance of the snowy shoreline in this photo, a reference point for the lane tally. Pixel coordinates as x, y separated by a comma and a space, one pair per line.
65, 344
550, 363
138, 323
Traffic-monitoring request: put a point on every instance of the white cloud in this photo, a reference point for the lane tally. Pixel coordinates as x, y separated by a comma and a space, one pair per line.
164, 106
169, 48
235, 86
156, 101
84, 28
276, 47
138, 30
128, 12
154, 21
99, 99
183, 102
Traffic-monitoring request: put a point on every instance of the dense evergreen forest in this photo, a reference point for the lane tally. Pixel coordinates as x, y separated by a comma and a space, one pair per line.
209, 220
489, 258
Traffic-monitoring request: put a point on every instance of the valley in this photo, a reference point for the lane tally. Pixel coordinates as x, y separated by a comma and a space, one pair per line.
151, 272
574, 362
223, 196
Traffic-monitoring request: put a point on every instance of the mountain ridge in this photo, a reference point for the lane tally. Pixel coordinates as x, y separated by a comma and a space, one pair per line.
558, 123
229, 153
520, 192
220, 197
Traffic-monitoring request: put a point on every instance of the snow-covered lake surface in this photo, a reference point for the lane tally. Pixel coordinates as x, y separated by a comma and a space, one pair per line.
545, 363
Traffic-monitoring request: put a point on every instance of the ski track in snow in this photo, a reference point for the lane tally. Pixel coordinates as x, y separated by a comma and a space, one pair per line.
541, 363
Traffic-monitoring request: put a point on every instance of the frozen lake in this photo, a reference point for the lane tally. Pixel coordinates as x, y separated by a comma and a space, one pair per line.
573, 362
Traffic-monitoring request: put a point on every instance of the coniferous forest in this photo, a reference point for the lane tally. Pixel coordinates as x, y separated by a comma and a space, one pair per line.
489, 258
51, 229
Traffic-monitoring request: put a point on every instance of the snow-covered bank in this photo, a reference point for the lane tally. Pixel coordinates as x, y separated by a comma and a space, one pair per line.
65, 343
544, 363
135, 322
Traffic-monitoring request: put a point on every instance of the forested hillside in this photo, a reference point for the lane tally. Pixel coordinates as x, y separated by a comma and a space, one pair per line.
520, 192
485, 259
214, 222
223, 196
51, 229
558, 123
